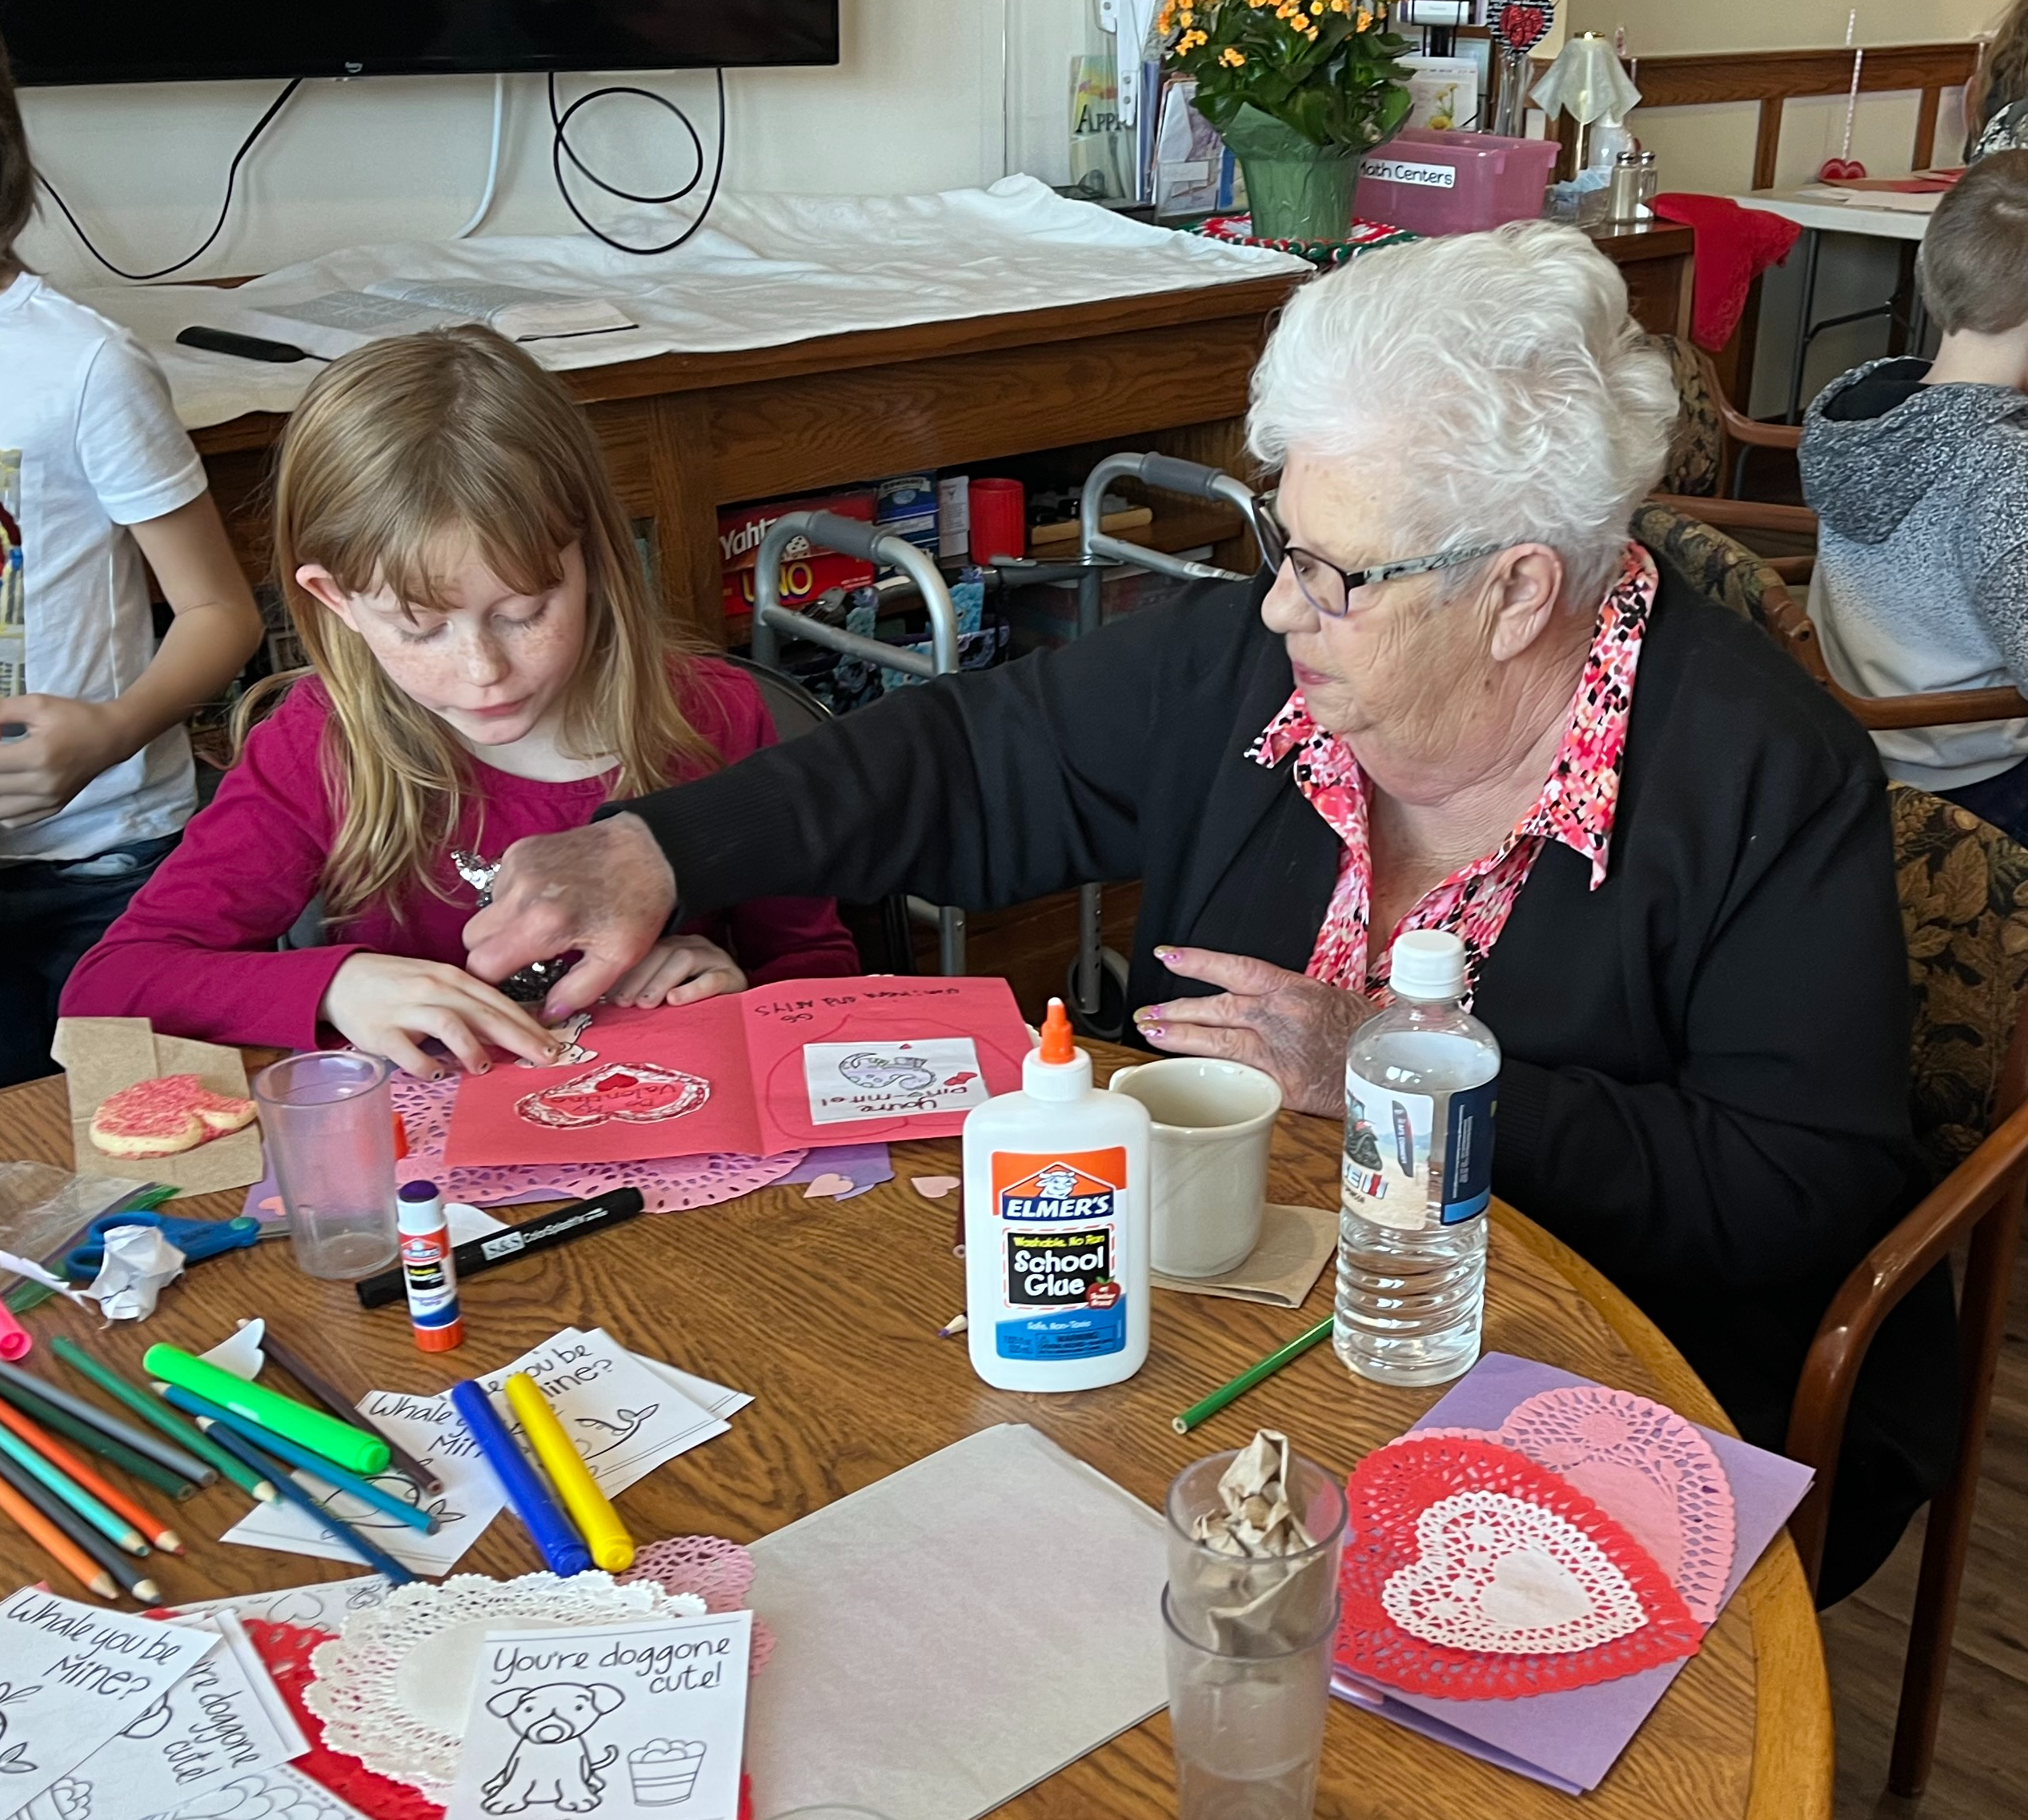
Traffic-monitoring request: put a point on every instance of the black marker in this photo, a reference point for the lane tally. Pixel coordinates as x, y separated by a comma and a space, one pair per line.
538, 1234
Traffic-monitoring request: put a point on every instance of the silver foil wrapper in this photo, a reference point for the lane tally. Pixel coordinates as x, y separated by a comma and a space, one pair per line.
531, 984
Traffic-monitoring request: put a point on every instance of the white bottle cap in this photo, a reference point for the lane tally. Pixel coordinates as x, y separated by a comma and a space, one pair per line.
1427, 963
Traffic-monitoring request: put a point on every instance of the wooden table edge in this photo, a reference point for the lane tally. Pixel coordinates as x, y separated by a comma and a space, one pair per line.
1793, 1761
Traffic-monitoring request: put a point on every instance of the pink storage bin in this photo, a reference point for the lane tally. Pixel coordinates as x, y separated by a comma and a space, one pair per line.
1432, 183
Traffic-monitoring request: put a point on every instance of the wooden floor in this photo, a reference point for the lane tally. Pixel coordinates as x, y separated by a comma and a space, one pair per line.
1982, 1771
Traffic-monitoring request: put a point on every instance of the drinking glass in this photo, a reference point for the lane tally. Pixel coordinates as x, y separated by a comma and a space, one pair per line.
1236, 1603
1248, 1729
328, 1117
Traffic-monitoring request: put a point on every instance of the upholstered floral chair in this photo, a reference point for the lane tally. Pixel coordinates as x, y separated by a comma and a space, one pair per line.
1964, 894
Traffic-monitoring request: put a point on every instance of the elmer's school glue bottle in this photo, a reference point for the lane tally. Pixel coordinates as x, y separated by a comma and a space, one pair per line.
1056, 1226
428, 1272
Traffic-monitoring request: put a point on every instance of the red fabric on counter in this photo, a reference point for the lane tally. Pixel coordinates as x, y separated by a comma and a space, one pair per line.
1734, 245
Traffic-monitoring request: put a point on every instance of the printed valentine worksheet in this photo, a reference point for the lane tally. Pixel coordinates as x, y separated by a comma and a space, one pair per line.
614, 1723
72, 1678
779, 1068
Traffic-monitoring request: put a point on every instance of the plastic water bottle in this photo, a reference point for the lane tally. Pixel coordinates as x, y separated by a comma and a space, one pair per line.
1419, 1081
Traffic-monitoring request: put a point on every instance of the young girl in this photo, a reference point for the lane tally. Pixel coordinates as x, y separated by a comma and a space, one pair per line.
486, 663
96, 474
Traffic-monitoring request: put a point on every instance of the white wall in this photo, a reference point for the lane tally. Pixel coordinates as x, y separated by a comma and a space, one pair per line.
917, 105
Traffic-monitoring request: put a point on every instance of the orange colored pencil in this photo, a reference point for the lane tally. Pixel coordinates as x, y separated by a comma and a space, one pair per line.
65, 1552
60, 1457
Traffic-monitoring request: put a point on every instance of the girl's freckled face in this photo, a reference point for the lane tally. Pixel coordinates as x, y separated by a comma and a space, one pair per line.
492, 663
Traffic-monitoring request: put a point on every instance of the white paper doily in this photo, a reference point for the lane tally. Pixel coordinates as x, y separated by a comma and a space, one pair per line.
393, 1689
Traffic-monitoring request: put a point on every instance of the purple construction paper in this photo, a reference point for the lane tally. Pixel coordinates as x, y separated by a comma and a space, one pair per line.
1570, 1739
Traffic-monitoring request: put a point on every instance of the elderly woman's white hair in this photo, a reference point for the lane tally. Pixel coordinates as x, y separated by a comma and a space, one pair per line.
1498, 375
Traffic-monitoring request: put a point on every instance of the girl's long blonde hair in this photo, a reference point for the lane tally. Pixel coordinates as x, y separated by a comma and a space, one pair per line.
2005, 76
399, 454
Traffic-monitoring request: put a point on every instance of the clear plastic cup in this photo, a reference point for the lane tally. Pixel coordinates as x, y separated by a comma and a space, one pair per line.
1237, 1603
328, 1118
1248, 1730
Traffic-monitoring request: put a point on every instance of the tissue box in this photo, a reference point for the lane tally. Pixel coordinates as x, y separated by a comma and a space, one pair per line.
1433, 182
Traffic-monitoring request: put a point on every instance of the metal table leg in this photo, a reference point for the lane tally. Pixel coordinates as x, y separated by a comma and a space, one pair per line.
1813, 242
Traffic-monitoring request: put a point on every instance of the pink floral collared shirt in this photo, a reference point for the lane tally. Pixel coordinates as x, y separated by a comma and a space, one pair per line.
1576, 806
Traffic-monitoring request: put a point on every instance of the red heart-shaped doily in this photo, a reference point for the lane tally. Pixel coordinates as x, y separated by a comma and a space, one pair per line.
1471, 1573
1840, 171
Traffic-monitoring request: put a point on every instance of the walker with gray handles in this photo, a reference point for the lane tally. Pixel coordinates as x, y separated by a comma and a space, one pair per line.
772, 622
1096, 988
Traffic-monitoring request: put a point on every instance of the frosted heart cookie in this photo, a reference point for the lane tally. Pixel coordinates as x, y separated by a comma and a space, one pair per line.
163, 1116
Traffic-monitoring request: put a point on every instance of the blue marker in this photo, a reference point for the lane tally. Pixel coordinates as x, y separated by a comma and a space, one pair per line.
562, 1549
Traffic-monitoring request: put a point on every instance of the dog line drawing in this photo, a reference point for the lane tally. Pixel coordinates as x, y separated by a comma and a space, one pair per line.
552, 1764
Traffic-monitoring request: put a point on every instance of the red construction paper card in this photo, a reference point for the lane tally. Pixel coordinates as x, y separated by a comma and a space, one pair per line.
806, 1062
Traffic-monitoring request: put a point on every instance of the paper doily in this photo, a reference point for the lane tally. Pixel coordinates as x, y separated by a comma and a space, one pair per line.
1652, 1470
1472, 1573
667, 1185
394, 1688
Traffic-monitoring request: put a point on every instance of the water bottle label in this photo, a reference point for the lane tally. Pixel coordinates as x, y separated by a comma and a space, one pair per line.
1387, 1155
1058, 1234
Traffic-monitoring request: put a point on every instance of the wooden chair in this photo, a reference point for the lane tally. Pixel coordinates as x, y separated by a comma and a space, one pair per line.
1963, 884
1684, 533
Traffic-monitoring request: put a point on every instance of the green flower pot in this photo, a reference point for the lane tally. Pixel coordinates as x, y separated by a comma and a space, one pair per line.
1296, 190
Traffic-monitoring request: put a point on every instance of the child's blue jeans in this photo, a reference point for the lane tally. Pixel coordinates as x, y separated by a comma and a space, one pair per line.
50, 911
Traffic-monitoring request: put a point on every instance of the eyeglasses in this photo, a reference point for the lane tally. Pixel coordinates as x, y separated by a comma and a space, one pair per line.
1329, 588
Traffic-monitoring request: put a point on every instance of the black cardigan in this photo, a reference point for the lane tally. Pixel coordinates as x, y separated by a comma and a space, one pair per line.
1706, 1084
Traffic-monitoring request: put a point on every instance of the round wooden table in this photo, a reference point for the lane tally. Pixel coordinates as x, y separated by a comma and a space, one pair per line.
827, 1311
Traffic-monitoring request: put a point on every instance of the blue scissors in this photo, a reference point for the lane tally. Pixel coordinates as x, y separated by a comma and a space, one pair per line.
196, 1239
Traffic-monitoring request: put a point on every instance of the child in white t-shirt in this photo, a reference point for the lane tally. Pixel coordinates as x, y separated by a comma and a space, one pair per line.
96, 474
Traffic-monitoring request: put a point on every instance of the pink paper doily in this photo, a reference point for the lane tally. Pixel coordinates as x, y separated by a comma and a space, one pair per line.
1471, 1573
1656, 1474
719, 1571
667, 1186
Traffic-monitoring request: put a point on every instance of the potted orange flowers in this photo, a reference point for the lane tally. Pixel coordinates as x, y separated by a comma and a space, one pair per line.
1300, 90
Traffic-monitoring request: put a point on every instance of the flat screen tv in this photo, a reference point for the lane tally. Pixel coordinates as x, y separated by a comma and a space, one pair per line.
140, 41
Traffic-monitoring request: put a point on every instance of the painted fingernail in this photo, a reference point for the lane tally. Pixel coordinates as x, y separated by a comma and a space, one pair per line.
484, 1067
1153, 1030
437, 1073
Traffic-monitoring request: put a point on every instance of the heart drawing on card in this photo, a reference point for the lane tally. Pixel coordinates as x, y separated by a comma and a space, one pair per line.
1523, 24
1473, 1573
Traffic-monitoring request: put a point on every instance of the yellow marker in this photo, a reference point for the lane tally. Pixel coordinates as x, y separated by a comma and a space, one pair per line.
589, 1509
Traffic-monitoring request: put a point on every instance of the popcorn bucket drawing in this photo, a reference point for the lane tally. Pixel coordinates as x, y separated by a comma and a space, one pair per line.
664, 1771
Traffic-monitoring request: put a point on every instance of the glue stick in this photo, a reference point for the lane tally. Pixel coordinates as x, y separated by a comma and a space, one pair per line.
428, 1272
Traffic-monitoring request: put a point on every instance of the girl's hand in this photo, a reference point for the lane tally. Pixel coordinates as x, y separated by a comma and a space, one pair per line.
388, 1006
678, 970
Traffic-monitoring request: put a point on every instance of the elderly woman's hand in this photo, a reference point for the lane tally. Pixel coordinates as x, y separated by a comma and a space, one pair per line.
1287, 1025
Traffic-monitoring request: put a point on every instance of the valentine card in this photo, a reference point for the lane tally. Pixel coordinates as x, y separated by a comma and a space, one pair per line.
1528, 1568
779, 1068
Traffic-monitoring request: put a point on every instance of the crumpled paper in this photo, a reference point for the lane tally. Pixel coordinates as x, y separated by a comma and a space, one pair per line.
140, 1263
1586, 83
1242, 1594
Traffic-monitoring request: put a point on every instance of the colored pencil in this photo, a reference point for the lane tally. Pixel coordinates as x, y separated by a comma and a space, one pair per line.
211, 1418
210, 1459
252, 1457
130, 1574
333, 1400
583, 1499
107, 1521
110, 1495
59, 1546
1245, 1381
174, 1453
96, 1440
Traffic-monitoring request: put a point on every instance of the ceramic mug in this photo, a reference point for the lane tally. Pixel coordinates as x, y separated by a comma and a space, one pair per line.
1208, 1175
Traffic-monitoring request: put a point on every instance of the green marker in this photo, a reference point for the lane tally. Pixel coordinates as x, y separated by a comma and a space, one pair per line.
350, 1447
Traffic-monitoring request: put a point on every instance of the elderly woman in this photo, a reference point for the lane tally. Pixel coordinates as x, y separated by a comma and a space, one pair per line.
1463, 701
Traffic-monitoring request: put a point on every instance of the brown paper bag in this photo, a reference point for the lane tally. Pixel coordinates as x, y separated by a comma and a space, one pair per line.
102, 1054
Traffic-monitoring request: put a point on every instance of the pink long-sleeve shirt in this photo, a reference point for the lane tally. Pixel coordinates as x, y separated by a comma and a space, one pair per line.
195, 952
